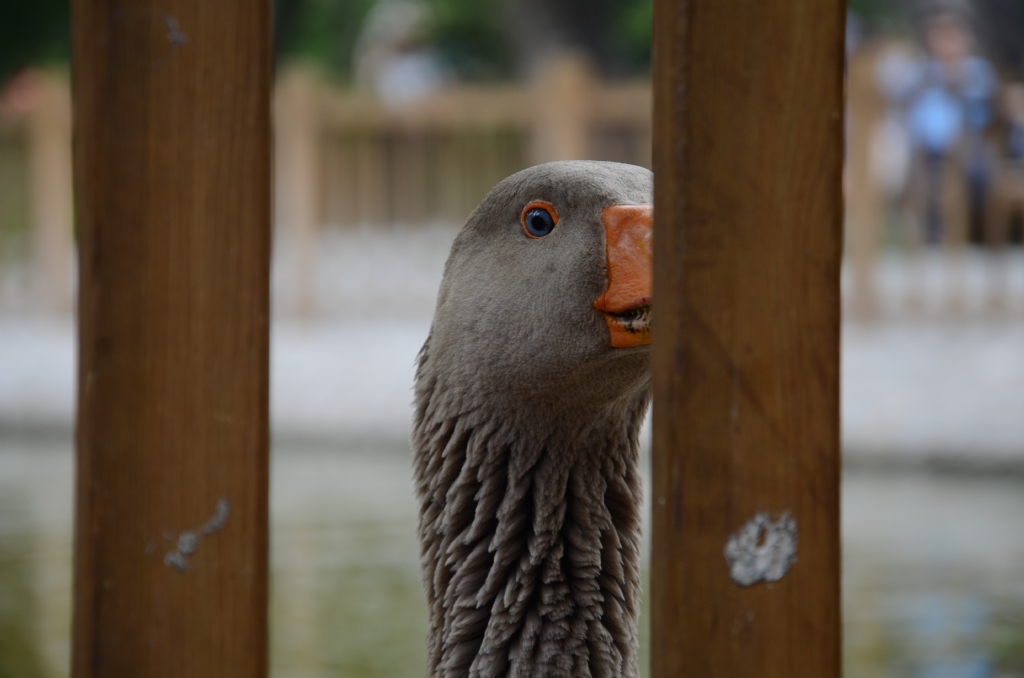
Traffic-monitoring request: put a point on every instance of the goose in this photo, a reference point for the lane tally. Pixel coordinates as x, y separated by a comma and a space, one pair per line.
530, 393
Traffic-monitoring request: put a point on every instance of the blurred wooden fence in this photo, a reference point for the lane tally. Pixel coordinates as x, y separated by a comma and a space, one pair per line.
344, 159
976, 268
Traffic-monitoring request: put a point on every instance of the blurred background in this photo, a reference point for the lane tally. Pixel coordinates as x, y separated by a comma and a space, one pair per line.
392, 119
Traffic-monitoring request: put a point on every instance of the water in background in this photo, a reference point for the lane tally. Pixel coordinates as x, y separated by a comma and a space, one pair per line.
932, 567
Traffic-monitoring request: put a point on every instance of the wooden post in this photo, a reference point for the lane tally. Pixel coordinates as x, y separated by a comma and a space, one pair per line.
955, 218
49, 145
865, 202
172, 183
1007, 196
561, 129
748, 134
298, 176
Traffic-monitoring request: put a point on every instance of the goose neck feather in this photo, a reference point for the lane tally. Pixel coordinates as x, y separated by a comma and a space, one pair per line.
530, 536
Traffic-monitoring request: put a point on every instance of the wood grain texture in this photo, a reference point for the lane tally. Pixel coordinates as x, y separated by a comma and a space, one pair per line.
172, 187
747, 162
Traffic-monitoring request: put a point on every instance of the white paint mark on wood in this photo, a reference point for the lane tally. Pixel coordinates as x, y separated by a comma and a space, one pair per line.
762, 550
188, 541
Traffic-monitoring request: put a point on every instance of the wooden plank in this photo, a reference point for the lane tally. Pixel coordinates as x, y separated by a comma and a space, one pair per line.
561, 127
623, 104
298, 173
748, 108
864, 196
49, 150
472, 107
487, 107
172, 184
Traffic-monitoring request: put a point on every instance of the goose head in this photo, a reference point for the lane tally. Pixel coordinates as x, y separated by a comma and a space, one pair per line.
546, 294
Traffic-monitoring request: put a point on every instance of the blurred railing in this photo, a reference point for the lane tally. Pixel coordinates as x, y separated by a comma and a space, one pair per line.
347, 160
343, 159
899, 264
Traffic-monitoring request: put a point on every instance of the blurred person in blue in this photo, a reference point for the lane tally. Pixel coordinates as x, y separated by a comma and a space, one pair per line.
947, 116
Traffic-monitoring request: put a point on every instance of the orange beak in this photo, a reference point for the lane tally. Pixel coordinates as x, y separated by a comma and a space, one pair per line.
626, 304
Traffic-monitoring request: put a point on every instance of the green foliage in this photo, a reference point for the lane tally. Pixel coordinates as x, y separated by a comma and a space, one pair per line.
615, 33
631, 33
881, 15
32, 32
471, 37
321, 31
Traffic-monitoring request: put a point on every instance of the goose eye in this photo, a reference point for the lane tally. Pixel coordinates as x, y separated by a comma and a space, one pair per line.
539, 222
539, 219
